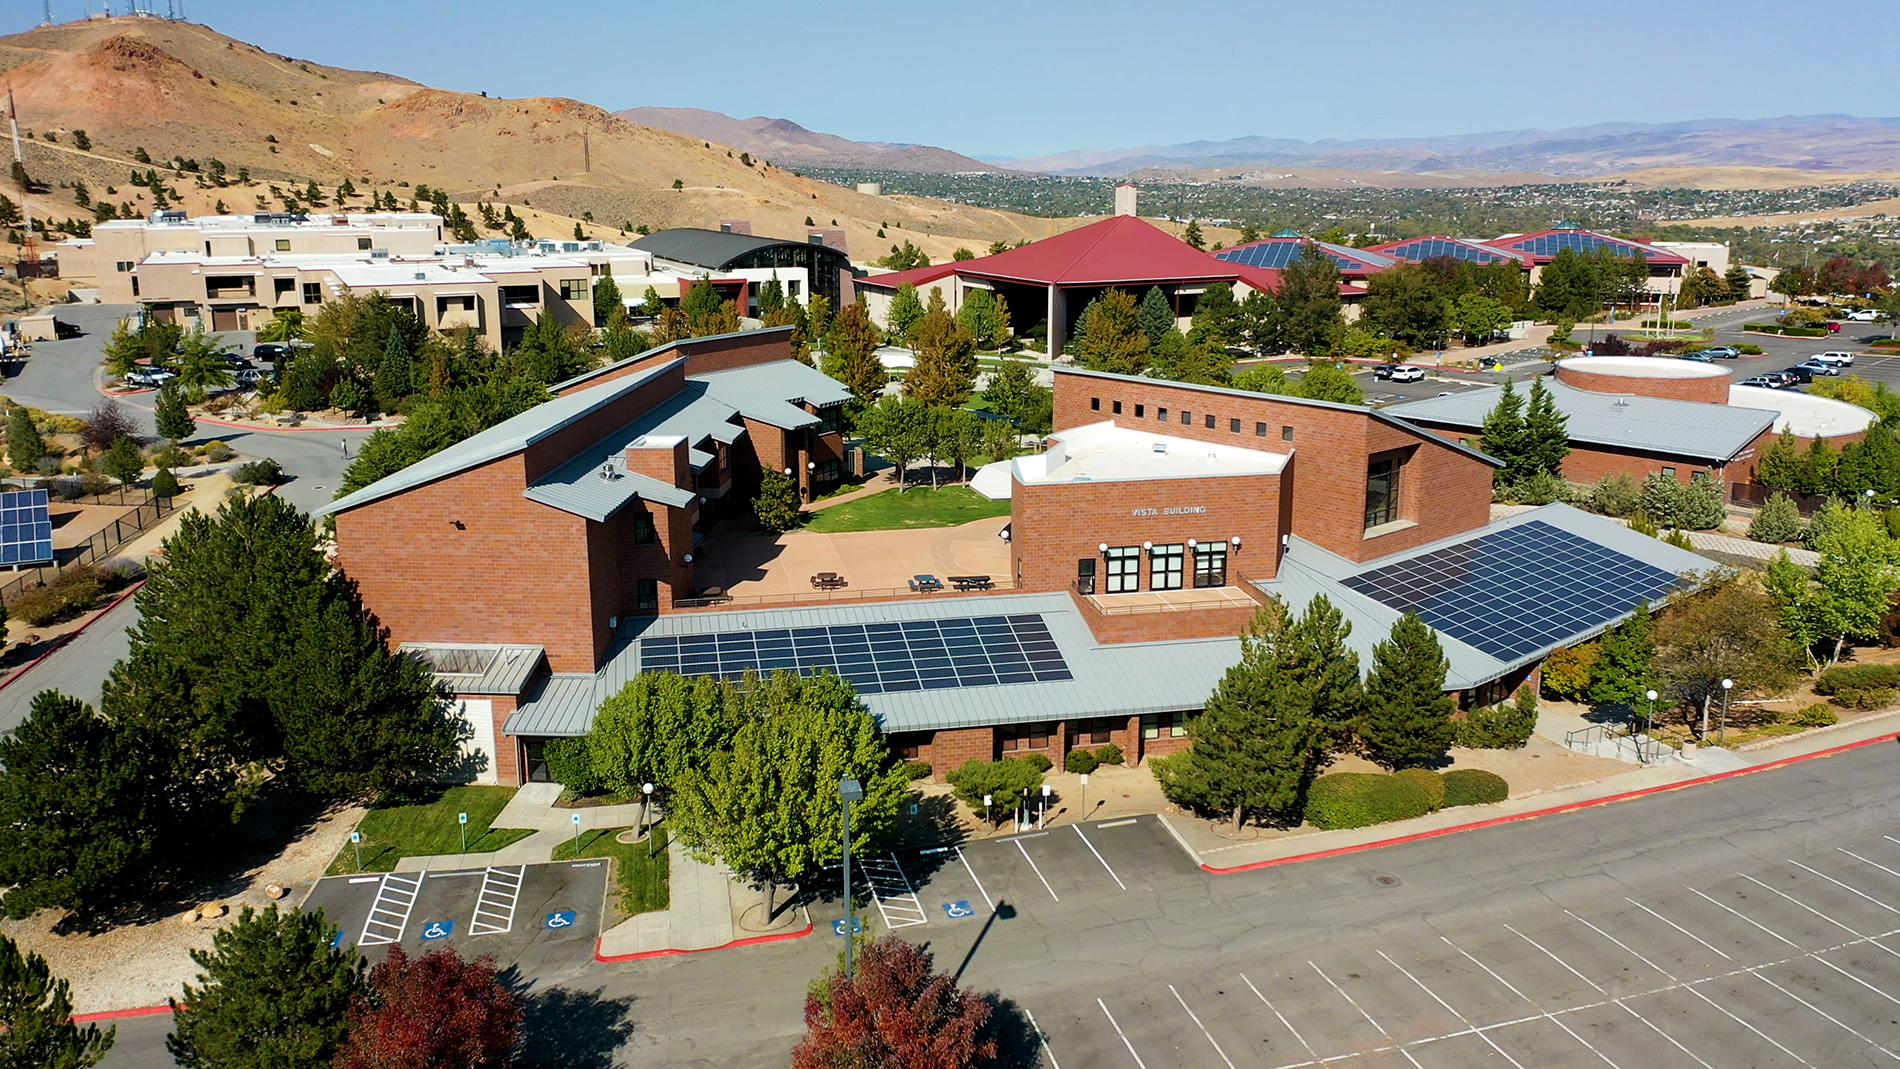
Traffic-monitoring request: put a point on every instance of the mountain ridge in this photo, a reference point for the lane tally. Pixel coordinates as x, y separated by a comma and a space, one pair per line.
784, 141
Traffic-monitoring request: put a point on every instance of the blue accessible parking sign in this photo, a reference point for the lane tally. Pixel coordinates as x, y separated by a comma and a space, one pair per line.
857, 926
957, 910
437, 930
561, 918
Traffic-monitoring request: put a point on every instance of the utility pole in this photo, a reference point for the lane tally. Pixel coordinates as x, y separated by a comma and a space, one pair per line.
47, 16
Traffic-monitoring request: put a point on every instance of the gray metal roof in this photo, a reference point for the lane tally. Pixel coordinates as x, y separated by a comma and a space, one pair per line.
705, 248
1125, 679
1693, 429
655, 353
1380, 415
555, 705
503, 439
577, 486
768, 392
477, 668
1307, 570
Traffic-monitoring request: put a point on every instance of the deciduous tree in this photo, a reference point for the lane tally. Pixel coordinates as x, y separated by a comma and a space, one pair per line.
123, 461
439, 1011
1725, 628
1623, 671
945, 372
894, 1011
897, 429
776, 506
659, 729
1852, 586
1309, 303
905, 310
1111, 338
1407, 721
274, 994
851, 354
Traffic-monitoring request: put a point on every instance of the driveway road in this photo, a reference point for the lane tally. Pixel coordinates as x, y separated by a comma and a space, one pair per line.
78, 668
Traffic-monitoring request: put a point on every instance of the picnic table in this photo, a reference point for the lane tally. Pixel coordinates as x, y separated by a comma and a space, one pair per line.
828, 581
972, 582
924, 584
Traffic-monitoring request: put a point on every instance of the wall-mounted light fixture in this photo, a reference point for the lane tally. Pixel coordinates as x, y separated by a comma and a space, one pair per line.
1103, 547
1192, 543
788, 471
811, 465
1148, 545
1235, 541
688, 558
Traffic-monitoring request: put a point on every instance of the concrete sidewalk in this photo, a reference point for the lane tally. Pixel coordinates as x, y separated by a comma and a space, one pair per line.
698, 917
532, 807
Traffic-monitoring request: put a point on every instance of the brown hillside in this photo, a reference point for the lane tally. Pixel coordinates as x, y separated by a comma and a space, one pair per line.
178, 89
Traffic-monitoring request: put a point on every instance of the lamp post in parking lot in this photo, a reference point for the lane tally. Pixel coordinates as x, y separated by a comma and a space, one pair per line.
849, 790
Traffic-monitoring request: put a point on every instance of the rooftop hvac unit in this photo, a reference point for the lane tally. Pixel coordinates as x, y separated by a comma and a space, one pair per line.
379, 254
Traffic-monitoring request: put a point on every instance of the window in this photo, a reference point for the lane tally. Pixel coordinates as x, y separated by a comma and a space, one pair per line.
313, 293
1095, 404
362, 244
574, 289
827, 471
1154, 725
1286, 434
791, 288
521, 294
1210, 565
1186, 417
1141, 411
125, 265
1024, 736
1671, 472
1698, 476
135, 285
1233, 426
1259, 430
1085, 576
1210, 421
1124, 569
1118, 408
1161, 415
283, 287
828, 419
1382, 492
283, 245
646, 595
1164, 567
1095, 732
643, 530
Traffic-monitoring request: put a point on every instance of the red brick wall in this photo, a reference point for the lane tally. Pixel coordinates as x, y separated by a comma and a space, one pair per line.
1443, 491
1709, 389
1160, 626
560, 447
1056, 525
705, 355
507, 755
1588, 464
950, 749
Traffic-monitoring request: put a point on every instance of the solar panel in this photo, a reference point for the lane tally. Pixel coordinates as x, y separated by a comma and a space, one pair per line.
1276, 255
1516, 592
975, 651
26, 529
1430, 248
1580, 240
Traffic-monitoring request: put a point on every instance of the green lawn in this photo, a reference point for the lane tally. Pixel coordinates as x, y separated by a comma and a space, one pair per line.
424, 822
642, 879
919, 506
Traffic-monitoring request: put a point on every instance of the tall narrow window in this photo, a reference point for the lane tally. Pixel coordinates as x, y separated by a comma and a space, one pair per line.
1165, 567
1382, 492
1210, 564
1085, 576
1124, 569
643, 531
646, 595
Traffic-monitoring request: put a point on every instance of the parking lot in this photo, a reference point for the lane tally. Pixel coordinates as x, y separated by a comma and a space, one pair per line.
534, 915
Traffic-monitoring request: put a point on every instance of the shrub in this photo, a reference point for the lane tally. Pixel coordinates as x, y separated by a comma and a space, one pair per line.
1641, 523
1860, 686
93, 484
1566, 671
1474, 786
1748, 349
1109, 754
216, 452
1362, 799
1080, 761
1505, 726
265, 472
1817, 715
1003, 780
1039, 762
71, 593
916, 770
165, 484
1778, 521
571, 765
1432, 782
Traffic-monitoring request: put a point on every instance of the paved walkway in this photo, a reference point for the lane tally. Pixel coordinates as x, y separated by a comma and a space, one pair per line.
531, 807
699, 916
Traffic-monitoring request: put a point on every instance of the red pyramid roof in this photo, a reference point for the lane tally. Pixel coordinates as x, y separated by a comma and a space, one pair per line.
1118, 250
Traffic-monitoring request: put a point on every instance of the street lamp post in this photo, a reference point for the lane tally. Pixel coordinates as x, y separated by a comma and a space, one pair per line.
1083, 815
849, 790
646, 829
1722, 737
1649, 719
1043, 813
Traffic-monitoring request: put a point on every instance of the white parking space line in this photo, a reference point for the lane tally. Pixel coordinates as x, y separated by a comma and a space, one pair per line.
1618, 1003
1691, 989
1830, 1017
1099, 857
896, 900
400, 893
1043, 1039
1844, 887
1276, 1012
1202, 1027
1678, 928
1858, 980
1119, 1032
1870, 940
1362, 1012
1863, 860
495, 905
1051, 890
1124, 822
1554, 958
1745, 917
1462, 1019
974, 880
1534, 1004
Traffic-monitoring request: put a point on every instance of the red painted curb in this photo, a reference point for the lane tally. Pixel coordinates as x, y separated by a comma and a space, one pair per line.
1534, 814
111, 1015
752, 941
61, 641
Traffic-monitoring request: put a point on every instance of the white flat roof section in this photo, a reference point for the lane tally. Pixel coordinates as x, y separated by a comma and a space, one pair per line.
1104, 452
1643, 367
1806, 415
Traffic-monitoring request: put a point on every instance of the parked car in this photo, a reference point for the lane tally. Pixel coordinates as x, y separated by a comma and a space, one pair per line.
270, 351
1698, 357
1817, 367
150, 376
236, 362
1383, 371
1862, 315
1801, 373
1721, 352
253, 377
1407, 373
1764, 381
1837, 357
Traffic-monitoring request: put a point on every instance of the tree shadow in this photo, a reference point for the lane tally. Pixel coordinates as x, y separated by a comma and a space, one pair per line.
1018, 1042
569, 1029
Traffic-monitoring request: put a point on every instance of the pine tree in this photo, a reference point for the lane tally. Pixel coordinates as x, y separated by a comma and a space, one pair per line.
25, 447
1623, 673
1820, 470
904, 312
1546, 440
395, 373
1502, 435
1155, 315
1255, 743
771, 296
36, 1026
1778, 521
607, 300
165, 484
1192, 235
1407, 719
1781, 464
1873, 463
274, 993
1111, 338
1737, 283
1318, 659
123, 461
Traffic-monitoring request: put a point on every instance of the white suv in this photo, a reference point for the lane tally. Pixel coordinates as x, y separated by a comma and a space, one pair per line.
1837, 358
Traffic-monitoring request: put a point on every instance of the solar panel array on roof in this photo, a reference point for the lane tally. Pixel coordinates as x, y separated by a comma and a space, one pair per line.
1580, 240
26, 528
980, 651
1277, 255
1429, 248
1482, 593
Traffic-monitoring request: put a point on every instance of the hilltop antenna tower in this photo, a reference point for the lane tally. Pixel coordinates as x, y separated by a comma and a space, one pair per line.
47, 13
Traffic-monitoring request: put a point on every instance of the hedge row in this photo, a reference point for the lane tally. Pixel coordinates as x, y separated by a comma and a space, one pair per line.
1860, 686
1362, 799
1789, 332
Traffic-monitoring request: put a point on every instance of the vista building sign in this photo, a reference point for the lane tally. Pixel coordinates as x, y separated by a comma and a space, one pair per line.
1171, 510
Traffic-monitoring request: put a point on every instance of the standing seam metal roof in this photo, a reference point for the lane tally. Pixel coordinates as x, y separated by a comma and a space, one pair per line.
1627, 421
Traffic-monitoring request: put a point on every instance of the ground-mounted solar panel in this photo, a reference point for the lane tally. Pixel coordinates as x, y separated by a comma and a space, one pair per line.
976, 651
26, 528
1514, 592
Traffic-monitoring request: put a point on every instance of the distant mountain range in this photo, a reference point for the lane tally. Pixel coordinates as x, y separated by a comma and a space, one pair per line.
1842, 143
785, 142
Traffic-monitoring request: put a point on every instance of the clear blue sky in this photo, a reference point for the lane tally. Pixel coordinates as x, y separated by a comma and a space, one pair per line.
1019, 79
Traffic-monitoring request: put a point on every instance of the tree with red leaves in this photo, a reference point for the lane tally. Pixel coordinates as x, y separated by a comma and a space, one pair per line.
440, 1011
895, 1013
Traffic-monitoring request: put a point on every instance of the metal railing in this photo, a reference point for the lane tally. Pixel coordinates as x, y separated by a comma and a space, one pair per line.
101, 545
1647, 750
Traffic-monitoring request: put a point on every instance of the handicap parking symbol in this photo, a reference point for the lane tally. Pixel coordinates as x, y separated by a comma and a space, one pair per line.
957, 910
857, 926
437, 929
336, 940
561, 918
